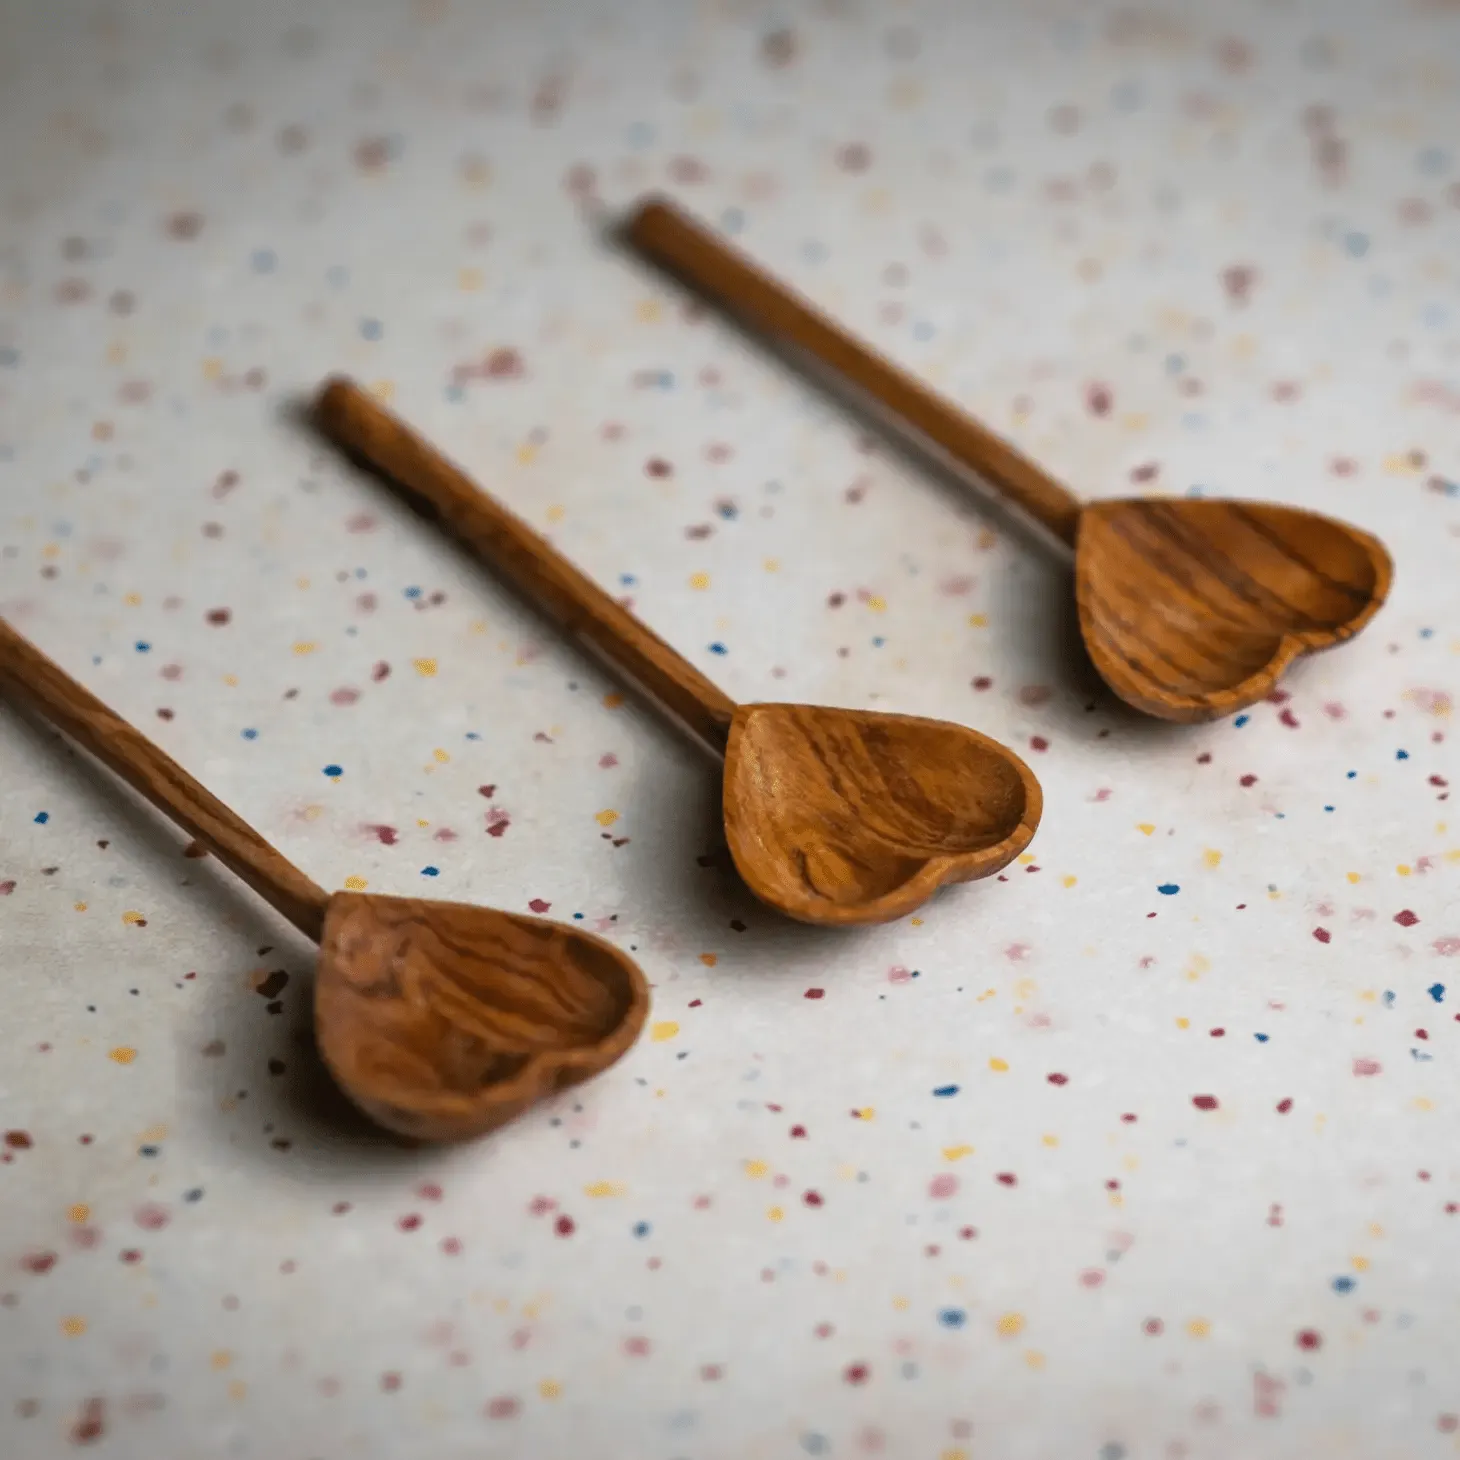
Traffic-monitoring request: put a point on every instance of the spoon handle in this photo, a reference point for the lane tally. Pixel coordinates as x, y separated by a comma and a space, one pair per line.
363, 427
677, 243
30, 678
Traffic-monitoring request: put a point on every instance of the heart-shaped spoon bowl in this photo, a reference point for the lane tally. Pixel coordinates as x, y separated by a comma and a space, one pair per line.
1192, 609
443, 1021
846, 816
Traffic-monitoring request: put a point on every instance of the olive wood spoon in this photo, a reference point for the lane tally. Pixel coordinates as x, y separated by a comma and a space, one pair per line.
439, 1020
832, 816
1190, 609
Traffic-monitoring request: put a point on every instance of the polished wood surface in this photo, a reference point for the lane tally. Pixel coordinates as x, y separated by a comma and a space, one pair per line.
444, 1020
439, 1020
832, 816
30, 678
1190, 609
356, 421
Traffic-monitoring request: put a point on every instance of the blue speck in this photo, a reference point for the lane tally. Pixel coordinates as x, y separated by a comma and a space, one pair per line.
728, 510
1434, 316
923, 330
263, 260
1433, 160
627, 579
578, 917
371, 329
1196, 490
642, 1229
1169, 889
1356, 245
413, 592
338, 275
472, 735
944, 1091
718, 648
334, 771
9, 358
1241, 720
1344, 1284
1126, 96
1388, 998
143, 647
813, 1444
1350, 775
1427, 633
1328, 808
814, 251
640, 134
878, 642
455, 394
1437, 992
250, 733
430, 871
732, 220
1260, 1038
1175, 364
41, 817
1401, 755
952, 1317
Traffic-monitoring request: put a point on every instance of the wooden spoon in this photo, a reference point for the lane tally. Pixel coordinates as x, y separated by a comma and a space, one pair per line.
1189, 609
832, 816
439, 1020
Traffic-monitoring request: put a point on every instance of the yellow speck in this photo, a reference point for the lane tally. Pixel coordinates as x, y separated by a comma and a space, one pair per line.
131, 919
1025, 858
424, 667
526, 454
1183, 1023
1069, 881
756, 1169
123, 1054
51, 550
606, 817
997, 1065
1212, 857
469, 280
220, 1358
877, 603
605, 1188
1361, 1264
383, 390
302, 583
1145, 827
978, 620
1423, 1102
612, 701
212, 367
231, 680
1199, 1327
74, 1326
901, 1304
649, 311
1050, 1140
699, 580
1403, 869
1135, 421
916, 922
709, 959
664, 1029
237, 1389
440, 756
305, 646
116, 353
132, 600
1034, 1358
1011, 1324
956, 1453
865, 1112
355, 884
313, 812
78, 1212
776, 1213
549, 1388
772, 565
1369, 996
79, 906
956, 1153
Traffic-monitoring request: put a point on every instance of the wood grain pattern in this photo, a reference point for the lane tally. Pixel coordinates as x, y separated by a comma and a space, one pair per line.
356, 421
30, 678
439, 1020
841, 816
1193, 609
832, 816
1190, 609
443, 1021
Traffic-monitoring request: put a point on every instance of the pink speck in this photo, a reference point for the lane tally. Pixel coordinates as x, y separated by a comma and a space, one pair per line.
381, 671
1446, 947
150, 1217
429, 1191
38, 1262
636, 1346
957, 585
1092, 1277
1367, 1067
856, 1373
539, 905
1035, 694
497, 821
1334, 710
1018, 952
540, 1206
390, 1382
1098, 398
607, 761
409, 1222
443, 834
451, 1246
1104, 793
1204, 1102
1283, 1106
898, 974
361, 522
7, 887
942, 1186
1237, 282
1289, 719
503, 1407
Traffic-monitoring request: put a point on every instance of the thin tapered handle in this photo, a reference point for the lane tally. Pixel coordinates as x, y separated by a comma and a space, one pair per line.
363, 427
677, 243
29, 678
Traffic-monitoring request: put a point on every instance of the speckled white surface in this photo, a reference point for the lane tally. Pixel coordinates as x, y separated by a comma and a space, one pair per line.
1145, 1151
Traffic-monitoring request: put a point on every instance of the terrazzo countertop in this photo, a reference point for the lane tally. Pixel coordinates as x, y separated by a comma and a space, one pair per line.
1143, 1149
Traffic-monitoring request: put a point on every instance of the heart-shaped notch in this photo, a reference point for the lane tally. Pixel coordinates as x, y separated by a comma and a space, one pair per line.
1191, 610
848, 816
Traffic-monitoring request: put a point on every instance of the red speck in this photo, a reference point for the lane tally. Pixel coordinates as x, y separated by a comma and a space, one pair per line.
184, 226
1092, 1277
1423, 1175
1218, 1033
814, 1199
18, 1140
815, 994
854, 157
385, 835
503, 1407
983, 682
409, 1222
1447, 1424
219, 616
344, 696
1098, 399
710, 1372
487, 791
1283, 1106
1309, 1338
381, 671
1058, 1079
1405, 919
7, 887
1237, 281
1129, 1118
538, 905
151, 1217
1154, 1327
390, 1382
91, 1423
1204, 1102
856, 1373
1112, 1185
1007, 1178
656, 466
1289, 719
565, 1226
451, 1246
38, 1262
1323, 935
497, 822
636, 1346
1038, 742
429, 1191
1367, 1067
130, 1254
798, 1132
340, 1208
1145, 472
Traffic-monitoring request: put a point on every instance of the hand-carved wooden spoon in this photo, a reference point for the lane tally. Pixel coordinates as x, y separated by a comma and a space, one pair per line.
832, 816
439, 1020
1190, 609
